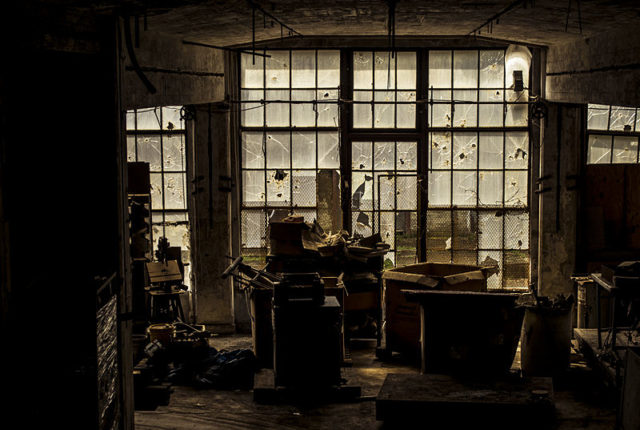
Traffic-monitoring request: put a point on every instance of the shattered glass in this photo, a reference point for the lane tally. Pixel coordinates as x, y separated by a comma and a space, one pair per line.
278, 187
328, 69
362, 223
406, 192
384, 71
464, 188
625, 149
465, 150
492, 257
362, 113
149, 151
517, 149
174, 153
254, 229
131, 120
515, 188
362, 70
387, 193
490, 229
383, 113
491, 115
439, 226
303, 69
327, 112
598, 117
491, 69
362, 191
517, 115
622, 118
465, 226
384, 155
406, 113
303, 114
252, 75
388, 228
439, 69
439, 188
491, 150
304, 188
278, 147
253, 193
277, 69
156, 191
440, 150
490, 188
465, 69
303, 149
328, 150
277, 113
253, 156
252, 114
171, 118
599, 149
148, 118
178, 235
406, 156
440, 113
516, 225
131, 148
361, 156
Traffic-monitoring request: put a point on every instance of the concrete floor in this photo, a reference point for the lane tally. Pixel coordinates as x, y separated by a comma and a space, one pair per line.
579, 403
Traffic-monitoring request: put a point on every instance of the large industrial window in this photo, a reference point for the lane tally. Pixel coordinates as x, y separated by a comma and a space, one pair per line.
289, 144
613, 133
460, 111
157, 136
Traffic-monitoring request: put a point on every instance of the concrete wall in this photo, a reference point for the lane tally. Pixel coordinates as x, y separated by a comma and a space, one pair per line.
601, 69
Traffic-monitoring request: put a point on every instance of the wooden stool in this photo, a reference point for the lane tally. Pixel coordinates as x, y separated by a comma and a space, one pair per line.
165, 306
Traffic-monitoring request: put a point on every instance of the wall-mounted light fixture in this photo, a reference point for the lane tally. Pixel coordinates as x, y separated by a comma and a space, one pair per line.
518, 82
517, 63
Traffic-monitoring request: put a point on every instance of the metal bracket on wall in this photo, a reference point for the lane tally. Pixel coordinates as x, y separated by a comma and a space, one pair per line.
226, 184
543, 190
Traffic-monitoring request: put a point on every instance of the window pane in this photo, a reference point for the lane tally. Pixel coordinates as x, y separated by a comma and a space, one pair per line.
491, 156
598, 117
363, 70
465, 147
465, 227
252, 113
599, 151
383, 114
517, 115
625, 149
439, 230
149, 151
362, 113
327, 112
517, 149
384, 155
406, 156
492, 69
278, 150
387, 192
252, 150
362, 195
252, 75
384, 71
328, 69
304, 188
253, 229
622, 118
277, 113
303, 114
439, 69
490, 188
516, 226
303, 69
304, 150
277, 69
406, 65
362, 223
148, 119
490, 230
492, 257
156, 191
328, 150
439, 189
465, 69
131, 148
406, 113
406, 192
440, 151
464, 188
515, 188
278, 187
174, 152
361, 156
253, 187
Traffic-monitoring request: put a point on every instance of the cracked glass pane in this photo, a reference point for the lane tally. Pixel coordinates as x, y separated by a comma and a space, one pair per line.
439, 69
171, 118
598, 117
491, 150
465, 115
387, 192
516, 96
490, 230
599, 151
363, 70
131, 120
406, 113
516, 225
362, 113
464, 188
515, 188
131, 148
328, 150
327, 112
517, 115
174, 152
253, 188
490, 188
439, 112
492, 257
465, 226
278, 148
465, 150
156, 191
625, 149
252, 75
406, 70
439, 230
303, 114
439, 189
490, 115
362, 191
252, 150
178, 235
362, 223
303, 149
328, 69
622, 118
361, 156
278, 187
252, 114
383, 114
149, 151
254, 229
384, 71
384, 155
277, 69
491, 69
440, 151
517, 150
277, 113
304, 188
303, 69
406, 156
406, 192
148, 118
465, 69
388, 228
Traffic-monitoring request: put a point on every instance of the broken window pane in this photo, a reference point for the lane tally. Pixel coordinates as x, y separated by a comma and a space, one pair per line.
277, 113
490, 230
465, 147
253, 229
303, 114
406, 237
383, 114
362, 223
492, 258
178, 235
303, 69
622, 118
362, 70
156, 191
278, 187
328, 199
171, 118
328, 150
277, 69
465, 115
386, 193
464, 257
439, 69
440, 151
465, 69
131, 120
253, 150
490, 188
252, 113
149, 151
388, 228
439, 189
148, 119
465, 226
278, 150
491, 150
327, 112
406, 156
174, 152
492, 69
384, 71
598, 117
362, 191
406, 113
625, 149
515, 188
362, 113
439, 230
406, 65
131, 148
516, 225
252, 75
464, 188
361, 156
517, 150
440, 111
303, 149
406, 192
517, 115
384, 155
253, 187
304, 188
328, 69
516, 269
599, 151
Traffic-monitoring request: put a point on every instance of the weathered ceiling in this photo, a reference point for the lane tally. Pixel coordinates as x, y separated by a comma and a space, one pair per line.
543, 22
